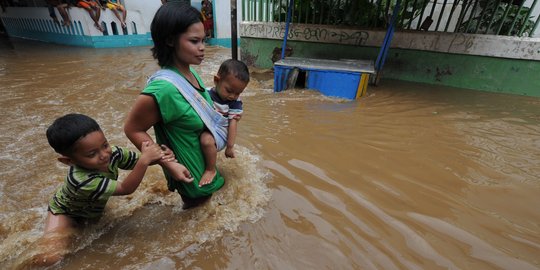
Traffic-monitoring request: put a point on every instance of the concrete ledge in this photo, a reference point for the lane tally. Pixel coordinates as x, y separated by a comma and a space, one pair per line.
115, 41
455, 43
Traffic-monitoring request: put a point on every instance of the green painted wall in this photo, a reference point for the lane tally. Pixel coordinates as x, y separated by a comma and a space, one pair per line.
464, 71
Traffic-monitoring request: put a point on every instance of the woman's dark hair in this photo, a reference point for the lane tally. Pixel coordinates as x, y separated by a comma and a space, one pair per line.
171, 20
68, 129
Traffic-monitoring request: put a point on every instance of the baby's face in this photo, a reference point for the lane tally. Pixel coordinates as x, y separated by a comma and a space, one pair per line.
230, 87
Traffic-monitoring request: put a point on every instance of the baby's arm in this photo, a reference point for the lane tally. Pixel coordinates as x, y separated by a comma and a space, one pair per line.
149, 154
231, 137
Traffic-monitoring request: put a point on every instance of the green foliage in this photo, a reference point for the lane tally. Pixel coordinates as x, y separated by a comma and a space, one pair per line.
488, 17
362, 13
494, 13
409, 11
359, 13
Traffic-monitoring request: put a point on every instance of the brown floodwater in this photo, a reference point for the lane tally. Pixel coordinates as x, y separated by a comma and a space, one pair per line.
412, 176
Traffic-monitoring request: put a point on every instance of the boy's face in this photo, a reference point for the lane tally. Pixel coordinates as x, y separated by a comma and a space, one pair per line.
230, 87
91, 152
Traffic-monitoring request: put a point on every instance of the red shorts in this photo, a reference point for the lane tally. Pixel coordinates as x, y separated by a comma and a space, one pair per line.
87, 5
208, 25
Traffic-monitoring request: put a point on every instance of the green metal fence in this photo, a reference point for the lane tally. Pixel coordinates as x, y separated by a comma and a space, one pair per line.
494, 17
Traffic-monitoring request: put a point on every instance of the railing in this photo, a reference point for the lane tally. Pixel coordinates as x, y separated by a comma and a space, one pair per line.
37, 19
43, 25
76, 28
494, 17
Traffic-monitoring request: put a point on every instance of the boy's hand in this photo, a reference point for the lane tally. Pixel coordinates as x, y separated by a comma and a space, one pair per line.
229, 152
150, 152
237, 117
168, 154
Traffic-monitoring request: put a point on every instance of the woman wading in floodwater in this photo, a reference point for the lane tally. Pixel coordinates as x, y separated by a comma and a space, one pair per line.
178, 36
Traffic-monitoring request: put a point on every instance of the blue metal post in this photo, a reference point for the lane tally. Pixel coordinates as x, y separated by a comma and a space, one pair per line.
387, 39
288, 21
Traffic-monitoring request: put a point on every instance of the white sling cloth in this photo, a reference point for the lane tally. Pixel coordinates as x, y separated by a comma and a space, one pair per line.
213, 120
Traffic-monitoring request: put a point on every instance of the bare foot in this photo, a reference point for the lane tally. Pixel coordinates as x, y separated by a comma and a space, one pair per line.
123, 24
207, 177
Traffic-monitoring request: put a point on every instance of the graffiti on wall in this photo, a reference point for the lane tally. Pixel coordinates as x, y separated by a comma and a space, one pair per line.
457, 43
310, 33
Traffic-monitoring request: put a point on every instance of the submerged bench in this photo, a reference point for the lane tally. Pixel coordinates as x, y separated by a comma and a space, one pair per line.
338, 78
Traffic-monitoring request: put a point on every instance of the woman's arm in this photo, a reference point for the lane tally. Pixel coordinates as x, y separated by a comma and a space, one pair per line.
143, 115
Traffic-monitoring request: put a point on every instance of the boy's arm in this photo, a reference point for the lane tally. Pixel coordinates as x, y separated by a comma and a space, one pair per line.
235, 113
231, 137
132, 181
150, 153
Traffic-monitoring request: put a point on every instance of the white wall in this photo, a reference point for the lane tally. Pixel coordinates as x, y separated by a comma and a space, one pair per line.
222, 17
197, 4
222, 13
142, 10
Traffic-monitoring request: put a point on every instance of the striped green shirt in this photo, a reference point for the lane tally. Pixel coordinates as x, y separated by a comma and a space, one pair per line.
85, 193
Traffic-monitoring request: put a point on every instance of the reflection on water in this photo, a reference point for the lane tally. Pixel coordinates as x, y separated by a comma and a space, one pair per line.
411, 177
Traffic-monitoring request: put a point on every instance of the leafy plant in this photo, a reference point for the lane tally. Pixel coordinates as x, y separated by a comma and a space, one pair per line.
512, 17
410, 10
363, 13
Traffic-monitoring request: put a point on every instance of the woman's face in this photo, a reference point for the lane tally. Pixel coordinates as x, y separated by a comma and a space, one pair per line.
189, 48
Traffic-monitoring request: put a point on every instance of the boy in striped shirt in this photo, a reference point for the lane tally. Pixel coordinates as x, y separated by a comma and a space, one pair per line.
92, 176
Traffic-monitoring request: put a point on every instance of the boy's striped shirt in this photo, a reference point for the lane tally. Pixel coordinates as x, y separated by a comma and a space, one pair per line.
85, 193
